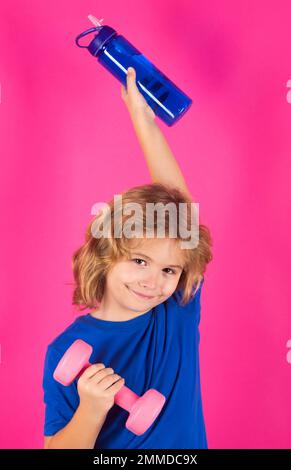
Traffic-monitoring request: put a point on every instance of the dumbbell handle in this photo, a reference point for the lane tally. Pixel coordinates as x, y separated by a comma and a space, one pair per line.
125, 397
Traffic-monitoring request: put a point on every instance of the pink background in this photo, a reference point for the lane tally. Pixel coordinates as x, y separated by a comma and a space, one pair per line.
67, 143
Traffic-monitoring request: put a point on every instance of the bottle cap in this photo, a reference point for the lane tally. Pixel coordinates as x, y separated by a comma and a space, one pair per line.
104, 33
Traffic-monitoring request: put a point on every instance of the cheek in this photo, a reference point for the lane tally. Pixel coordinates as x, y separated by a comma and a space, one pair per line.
168, 287
129, 274
169, 290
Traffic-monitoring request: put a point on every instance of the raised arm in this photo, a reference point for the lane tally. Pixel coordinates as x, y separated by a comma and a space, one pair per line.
160, 160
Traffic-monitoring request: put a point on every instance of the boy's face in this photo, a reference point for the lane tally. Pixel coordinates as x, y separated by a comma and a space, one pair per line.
148, 271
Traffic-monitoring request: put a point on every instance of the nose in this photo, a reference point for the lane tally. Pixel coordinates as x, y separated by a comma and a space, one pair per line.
151, 282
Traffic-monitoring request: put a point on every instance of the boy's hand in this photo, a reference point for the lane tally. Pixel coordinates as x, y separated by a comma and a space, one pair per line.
96, 388
134, 100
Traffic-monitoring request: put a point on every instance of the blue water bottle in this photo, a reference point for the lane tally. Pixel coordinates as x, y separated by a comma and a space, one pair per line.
116, 54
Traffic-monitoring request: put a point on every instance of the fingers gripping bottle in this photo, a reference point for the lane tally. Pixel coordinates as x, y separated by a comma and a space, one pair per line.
116, 54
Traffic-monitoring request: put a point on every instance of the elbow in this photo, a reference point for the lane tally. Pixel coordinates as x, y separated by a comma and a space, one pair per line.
47, 442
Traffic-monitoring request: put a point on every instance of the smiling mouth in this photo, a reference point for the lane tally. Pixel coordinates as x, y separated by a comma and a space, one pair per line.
141, 296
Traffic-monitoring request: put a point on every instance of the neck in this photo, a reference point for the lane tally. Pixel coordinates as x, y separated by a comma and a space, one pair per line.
105, 312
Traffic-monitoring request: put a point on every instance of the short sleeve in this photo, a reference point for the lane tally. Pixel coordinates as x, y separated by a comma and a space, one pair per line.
193, 306
60, 401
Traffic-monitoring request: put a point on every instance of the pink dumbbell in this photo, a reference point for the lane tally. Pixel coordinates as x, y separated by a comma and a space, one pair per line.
142, 410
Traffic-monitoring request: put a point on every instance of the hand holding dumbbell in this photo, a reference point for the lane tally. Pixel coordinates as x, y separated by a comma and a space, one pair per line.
142, 410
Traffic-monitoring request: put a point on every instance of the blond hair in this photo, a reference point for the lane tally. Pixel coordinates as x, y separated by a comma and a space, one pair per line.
93, 260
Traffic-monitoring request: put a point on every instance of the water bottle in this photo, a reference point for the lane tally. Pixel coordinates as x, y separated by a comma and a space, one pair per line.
116, 54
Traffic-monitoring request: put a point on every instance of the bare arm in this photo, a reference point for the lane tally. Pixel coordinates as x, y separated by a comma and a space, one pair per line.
80, 433
160, 160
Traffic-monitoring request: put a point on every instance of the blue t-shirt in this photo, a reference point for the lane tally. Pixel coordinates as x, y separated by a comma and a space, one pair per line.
158, 349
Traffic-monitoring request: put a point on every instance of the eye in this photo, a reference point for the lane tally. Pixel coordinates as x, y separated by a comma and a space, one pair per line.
173, 272
138, 259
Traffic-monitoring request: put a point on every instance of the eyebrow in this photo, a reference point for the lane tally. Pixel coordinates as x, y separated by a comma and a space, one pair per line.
170, 265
